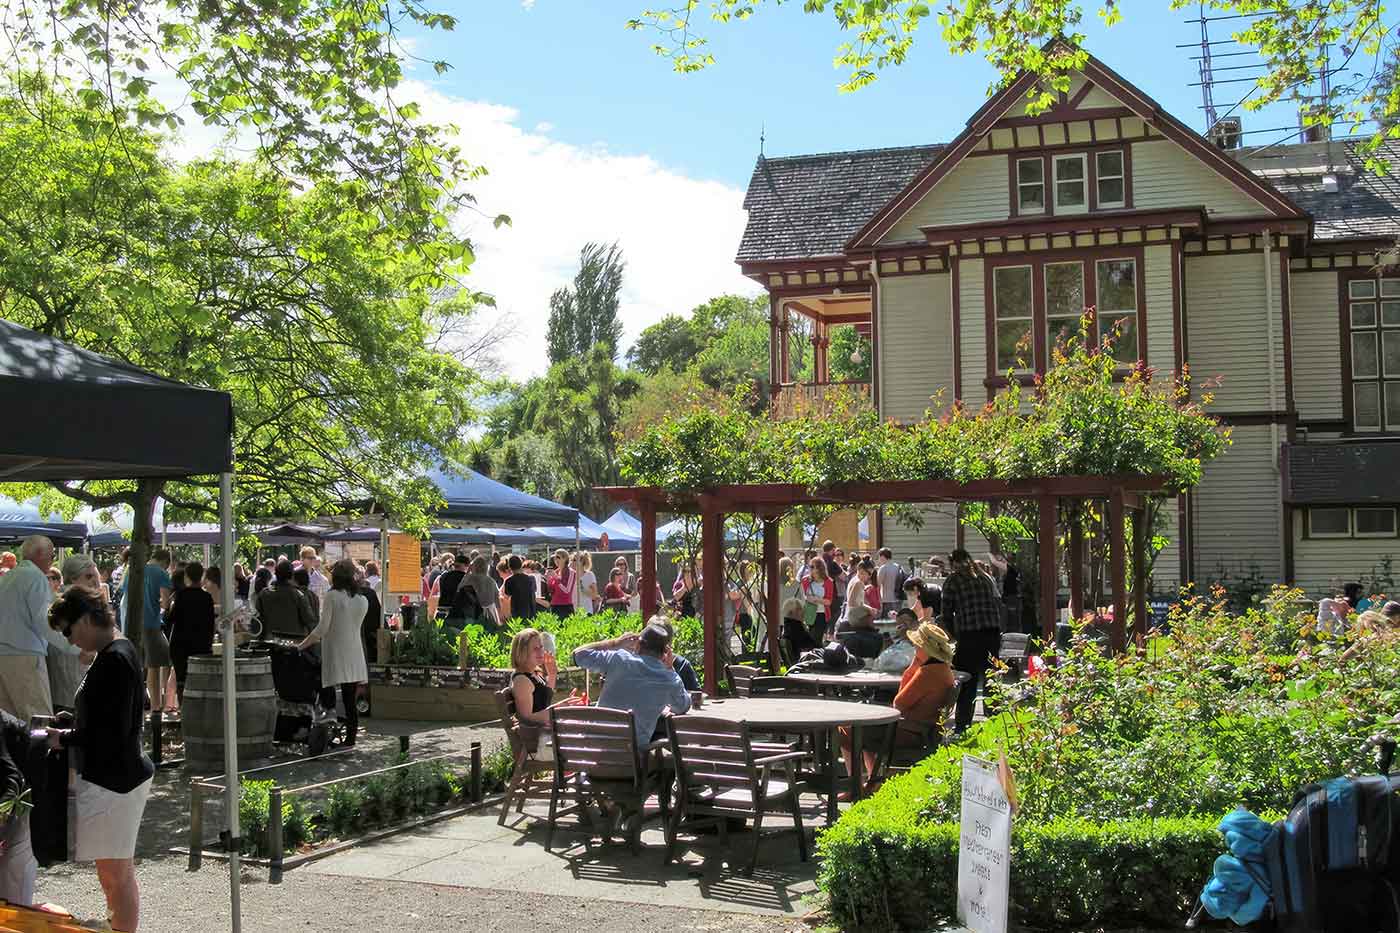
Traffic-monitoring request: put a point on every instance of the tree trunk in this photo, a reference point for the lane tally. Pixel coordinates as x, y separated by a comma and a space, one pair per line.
147, 490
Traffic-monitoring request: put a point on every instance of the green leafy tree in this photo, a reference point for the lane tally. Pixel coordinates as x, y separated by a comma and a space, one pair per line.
301, 304
670, 344
584, 315
1293, 41
847, 344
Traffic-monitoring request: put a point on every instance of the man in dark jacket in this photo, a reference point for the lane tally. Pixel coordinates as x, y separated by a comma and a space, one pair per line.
17, 864
283, 608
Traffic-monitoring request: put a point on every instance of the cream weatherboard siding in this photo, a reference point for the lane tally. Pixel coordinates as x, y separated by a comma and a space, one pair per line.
1166, 569
916, 344
1157, 283
972, 318
1321, 565
1166, 176
976, 189
1237, 509
1227, 333
937, 535
1317, 346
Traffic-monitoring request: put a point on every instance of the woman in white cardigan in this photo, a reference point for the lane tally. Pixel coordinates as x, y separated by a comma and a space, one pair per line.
342, 652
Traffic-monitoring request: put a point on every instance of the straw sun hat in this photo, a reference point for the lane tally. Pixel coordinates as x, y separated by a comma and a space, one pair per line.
934, 641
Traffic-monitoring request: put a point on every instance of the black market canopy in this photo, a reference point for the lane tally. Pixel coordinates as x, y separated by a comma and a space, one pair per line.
73, 414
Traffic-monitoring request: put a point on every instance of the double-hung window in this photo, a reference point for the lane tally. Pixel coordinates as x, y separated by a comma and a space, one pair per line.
1013, 292
1071, 184
1064, 303
1118, 306
1109, 179
1373, 315
1030, 186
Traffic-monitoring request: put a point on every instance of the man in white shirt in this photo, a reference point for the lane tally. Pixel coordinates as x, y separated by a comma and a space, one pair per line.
887, 576
25, 636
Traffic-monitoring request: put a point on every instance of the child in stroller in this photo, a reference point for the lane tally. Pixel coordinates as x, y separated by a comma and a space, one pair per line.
296, 675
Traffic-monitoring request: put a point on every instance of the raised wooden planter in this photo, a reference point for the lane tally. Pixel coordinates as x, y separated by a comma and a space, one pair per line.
446, 694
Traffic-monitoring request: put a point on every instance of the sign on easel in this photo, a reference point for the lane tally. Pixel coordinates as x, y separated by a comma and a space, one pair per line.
405, 569
984, 849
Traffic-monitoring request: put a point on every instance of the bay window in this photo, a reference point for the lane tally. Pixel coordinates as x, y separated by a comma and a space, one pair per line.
1373, 319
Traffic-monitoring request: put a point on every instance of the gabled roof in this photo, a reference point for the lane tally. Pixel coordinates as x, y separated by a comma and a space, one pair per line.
809, 206
1012, 95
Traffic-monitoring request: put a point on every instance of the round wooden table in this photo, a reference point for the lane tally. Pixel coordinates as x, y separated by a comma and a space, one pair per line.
802, 716
852, 680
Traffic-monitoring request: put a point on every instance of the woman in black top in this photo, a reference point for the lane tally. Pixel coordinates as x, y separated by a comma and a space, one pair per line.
114, 774
191, 623
926, 599
532, 684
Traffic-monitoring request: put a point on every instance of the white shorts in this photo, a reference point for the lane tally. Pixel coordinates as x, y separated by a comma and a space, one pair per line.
107, 823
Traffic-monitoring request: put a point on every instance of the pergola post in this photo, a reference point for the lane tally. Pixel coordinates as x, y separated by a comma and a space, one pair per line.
1049, 577
1116, 569
646, 574
1076, 565
772, 590
774, 339
1140, 575
712, 549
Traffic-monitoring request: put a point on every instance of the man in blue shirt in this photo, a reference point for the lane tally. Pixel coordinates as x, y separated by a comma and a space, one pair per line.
639, 676
154, 645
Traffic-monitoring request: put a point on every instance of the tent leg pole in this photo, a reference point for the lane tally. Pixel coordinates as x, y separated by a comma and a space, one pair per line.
231, 790
384, 569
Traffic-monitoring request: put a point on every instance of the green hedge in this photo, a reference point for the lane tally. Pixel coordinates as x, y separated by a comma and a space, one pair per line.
885, 869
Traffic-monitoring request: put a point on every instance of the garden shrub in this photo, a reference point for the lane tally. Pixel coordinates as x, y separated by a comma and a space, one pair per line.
1126, 760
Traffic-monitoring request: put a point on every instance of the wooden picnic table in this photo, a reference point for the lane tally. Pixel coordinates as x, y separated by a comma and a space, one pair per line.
806, 715
852, 680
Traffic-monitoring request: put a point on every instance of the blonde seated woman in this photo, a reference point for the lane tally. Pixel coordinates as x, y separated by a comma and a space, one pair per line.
532, 684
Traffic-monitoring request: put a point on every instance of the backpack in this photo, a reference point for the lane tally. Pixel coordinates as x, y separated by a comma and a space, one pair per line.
1332, 864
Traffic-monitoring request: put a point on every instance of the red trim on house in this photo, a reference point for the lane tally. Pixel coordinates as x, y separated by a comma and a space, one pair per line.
1178, 329
955, 281
1239, 226
1088, 257
820, 290
1254, 418
849, 318
1064, 116
1183, 539
873, 319
1040, 225
1072, 104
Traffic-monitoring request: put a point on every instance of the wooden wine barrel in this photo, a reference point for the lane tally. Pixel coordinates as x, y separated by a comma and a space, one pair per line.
202, 711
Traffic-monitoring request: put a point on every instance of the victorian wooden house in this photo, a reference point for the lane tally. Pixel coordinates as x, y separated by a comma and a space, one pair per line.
1273, 274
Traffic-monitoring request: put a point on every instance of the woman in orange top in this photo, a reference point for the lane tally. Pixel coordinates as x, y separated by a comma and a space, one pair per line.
923, 691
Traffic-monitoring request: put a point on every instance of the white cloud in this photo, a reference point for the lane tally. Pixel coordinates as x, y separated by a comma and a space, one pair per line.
544, 126
678, 234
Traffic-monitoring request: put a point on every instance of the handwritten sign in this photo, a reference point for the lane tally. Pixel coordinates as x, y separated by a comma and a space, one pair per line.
405, 572
984, 849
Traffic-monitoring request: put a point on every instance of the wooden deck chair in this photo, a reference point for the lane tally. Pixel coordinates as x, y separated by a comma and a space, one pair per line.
532, 776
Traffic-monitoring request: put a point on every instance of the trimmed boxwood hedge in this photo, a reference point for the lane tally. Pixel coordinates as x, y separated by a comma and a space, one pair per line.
885, 868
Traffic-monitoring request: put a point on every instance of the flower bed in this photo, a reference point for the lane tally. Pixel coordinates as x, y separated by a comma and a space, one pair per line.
1124, 766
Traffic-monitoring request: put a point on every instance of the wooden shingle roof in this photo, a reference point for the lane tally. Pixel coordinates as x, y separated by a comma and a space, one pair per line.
803, 207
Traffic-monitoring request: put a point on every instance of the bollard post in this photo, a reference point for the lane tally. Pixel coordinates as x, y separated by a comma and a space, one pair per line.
274, 835
196, 826
403, 745
155, 737
476, 772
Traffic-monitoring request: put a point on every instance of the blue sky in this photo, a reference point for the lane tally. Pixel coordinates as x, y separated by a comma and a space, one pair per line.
588, 135
573, 67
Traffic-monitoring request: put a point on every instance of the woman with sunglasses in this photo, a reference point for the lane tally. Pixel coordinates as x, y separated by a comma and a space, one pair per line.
114, 774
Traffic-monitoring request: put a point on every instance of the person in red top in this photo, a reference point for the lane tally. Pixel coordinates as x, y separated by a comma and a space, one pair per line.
615, 593
923, 692
561, 582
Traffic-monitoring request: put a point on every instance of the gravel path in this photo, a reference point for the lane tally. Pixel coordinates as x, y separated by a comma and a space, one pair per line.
177, 901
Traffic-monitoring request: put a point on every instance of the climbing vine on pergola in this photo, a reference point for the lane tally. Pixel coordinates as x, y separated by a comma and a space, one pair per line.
1087, 429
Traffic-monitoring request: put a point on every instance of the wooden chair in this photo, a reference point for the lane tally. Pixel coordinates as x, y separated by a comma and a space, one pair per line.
720, 779
741, 678
934, 734
532, 777
598, 759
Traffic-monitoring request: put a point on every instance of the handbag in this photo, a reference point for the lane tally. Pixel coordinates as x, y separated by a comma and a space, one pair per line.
810, 610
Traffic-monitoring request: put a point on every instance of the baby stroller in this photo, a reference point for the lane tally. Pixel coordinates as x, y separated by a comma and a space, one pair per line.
296, 676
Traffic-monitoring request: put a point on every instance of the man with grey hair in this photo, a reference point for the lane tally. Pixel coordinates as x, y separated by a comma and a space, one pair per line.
25, 636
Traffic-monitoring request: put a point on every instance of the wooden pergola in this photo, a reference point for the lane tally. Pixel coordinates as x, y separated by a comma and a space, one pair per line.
770, 501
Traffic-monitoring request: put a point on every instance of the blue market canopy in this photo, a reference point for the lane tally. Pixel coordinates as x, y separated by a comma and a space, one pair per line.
116, 421
590, 534
620, 523
287, 533
496, 536
672, 534
356, 533
21, 521
473, 499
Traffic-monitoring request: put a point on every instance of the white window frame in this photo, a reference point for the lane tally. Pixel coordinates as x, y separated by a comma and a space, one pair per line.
1045, 297
1329, 534
1020, 206
1083, 159
998, 320
1376, 292
1355, 525
1122, 176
